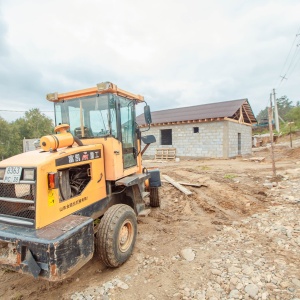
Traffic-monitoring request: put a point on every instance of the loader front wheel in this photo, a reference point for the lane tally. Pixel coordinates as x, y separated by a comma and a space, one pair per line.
115, 238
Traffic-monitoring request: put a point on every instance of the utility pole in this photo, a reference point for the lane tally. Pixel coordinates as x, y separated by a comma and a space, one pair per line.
270, 110
276, 112
291, 140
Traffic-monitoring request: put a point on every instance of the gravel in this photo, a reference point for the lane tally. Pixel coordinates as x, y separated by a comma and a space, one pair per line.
254, 258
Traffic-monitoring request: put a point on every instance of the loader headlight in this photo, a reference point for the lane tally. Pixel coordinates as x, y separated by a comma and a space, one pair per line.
104, 86
28, 174
52, 96
2, 172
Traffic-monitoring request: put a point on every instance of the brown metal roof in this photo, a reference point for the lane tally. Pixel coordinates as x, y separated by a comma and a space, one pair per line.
235, 109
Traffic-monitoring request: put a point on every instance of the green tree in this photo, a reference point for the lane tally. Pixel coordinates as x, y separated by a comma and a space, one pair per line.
4, 136
262, 115
294, 115
9, 140
284, 105
33, 125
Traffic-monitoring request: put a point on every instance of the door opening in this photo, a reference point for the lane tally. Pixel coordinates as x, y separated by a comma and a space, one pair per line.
239, 144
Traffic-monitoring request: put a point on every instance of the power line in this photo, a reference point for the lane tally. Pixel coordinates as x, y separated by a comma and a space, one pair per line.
287, 59
296, 52
289, 52
22, 111
294, 67
283, 77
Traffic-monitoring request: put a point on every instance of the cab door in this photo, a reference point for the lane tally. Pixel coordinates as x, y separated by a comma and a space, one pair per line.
127, 116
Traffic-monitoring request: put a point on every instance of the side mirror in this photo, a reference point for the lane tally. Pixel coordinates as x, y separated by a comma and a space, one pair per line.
148, 139
147, 114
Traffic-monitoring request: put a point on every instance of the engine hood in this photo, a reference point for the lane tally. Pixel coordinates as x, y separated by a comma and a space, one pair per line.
39, 157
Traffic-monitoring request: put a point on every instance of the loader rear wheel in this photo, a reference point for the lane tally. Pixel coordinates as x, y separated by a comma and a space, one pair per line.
154, 197
115, 238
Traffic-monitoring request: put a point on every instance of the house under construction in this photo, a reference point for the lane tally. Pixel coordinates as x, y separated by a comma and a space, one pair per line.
217, 130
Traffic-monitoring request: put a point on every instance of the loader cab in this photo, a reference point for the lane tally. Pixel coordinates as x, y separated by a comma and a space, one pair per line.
101, 116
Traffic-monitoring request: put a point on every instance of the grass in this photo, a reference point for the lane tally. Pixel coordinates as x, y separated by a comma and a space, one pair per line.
7, 270
285, 129
18, 296
229, 176
205, 168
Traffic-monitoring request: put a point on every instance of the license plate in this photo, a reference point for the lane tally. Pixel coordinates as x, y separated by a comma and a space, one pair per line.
12, 175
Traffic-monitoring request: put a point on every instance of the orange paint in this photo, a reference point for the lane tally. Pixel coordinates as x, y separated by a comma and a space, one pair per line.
55, 141
93, 91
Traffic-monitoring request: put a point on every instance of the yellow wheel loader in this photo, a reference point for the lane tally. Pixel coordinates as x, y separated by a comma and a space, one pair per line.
82, 191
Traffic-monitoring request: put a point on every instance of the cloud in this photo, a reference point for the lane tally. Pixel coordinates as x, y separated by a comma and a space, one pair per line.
174, 53
3, 45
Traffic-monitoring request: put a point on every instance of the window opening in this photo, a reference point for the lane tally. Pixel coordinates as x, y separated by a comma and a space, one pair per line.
166, 137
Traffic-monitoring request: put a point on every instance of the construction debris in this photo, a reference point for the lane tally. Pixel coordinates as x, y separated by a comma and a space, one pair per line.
257, 159
187, 183
145, 212
177, 185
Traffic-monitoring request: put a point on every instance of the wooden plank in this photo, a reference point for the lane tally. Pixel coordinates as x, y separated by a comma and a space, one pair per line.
177, 185
246, 113
241, 118
236, 121
257, 158
187, 183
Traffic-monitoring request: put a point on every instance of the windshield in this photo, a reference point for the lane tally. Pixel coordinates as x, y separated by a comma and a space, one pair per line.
88, 117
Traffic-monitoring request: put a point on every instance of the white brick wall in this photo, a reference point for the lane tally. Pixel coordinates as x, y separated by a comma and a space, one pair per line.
214, 139
246, 139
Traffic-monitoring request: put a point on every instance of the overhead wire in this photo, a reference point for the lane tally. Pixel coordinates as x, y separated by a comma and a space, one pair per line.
292, 63
22, 111
283, 75
294, 67
286, 59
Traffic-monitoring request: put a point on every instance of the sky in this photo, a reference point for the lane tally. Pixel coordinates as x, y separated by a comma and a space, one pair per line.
174, 53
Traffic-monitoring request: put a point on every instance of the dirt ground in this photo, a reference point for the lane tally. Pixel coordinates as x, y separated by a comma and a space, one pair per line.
233, 192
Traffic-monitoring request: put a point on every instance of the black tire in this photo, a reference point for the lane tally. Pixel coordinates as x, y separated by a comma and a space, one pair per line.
154, 197
115, 238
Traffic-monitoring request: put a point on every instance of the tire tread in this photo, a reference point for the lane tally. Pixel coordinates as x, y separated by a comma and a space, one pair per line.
154, 197
105, 235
